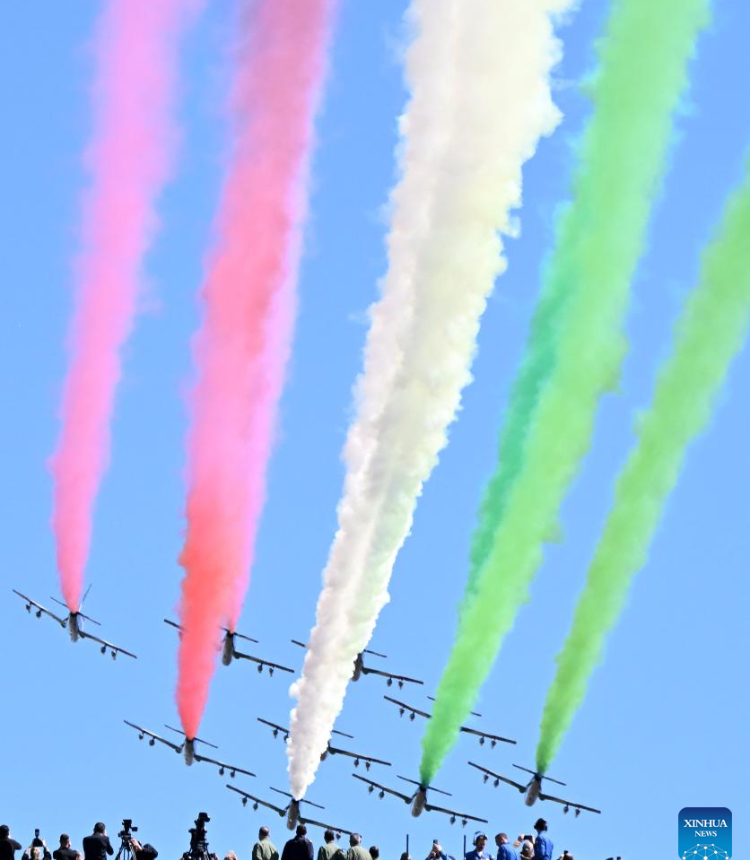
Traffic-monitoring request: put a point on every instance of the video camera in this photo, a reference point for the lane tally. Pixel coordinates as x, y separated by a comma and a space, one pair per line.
126, 834
198, 841
37, 842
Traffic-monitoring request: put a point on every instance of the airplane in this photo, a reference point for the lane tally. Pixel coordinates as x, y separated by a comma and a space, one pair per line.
73, 622
494, 740
418, 800
533, 788
360, 669
187, 748
229, 652
330, 750
291, 810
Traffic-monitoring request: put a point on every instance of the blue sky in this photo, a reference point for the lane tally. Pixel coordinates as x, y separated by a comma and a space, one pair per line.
664, 724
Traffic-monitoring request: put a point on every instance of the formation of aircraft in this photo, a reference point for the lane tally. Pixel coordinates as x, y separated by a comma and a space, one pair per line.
73, 622
187, 748
418, 800
360, 669
230, 653
403, 708
277, 730
291, 810
533, 788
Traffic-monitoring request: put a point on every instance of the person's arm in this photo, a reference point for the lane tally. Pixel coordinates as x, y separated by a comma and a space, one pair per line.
310, 850
108, 845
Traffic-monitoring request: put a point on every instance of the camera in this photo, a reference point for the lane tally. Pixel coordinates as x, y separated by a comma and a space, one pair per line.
127, 829
36, 842
198, 841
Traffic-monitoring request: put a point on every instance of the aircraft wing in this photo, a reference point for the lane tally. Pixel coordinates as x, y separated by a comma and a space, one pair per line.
145, 732
256, 800
486, 736
172, 624
407, 709
372, 786
368, 760
569, 803
40, 609
264, 664
114, 650
276, 728
337, 830
455, 816
223, 766
490, 774
399, 679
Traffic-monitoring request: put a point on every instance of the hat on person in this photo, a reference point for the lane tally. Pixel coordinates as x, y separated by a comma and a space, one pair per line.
480, 834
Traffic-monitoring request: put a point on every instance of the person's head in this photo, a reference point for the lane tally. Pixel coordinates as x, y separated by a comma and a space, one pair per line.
480, 840
528, 838
501, 839
99, 827
301, 830
35, 853
230, 856
64, 840
328, 836
374, 852
264, 833
405, 856
540, 826
355, 839
4, 831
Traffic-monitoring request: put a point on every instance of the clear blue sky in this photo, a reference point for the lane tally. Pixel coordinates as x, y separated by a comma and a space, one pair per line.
665, 721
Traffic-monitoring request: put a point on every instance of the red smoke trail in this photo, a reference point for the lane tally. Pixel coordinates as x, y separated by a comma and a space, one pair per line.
128, 161
249, 307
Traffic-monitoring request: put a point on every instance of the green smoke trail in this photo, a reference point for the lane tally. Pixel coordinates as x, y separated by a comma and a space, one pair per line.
709, 334
643, 71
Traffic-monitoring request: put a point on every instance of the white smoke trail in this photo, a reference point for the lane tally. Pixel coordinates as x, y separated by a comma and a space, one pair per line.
492, 59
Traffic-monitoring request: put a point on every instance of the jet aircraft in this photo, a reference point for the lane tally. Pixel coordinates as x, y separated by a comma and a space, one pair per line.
291, 810
418, 800
73, 622
403, 708
229, 652
330, 750
360, 669
533, 788
187, 748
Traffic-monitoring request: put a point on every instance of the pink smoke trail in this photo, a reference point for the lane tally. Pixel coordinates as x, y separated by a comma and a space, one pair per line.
128, 160
249, 308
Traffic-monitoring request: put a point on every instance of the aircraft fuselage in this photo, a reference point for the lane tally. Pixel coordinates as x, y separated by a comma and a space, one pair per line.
533, 791
188, 751
358, 666
292, 814
418, 802
227, 654
74, 626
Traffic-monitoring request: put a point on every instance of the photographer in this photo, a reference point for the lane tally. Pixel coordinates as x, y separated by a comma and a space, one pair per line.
65, 852
8, 846
436, 852
97, 846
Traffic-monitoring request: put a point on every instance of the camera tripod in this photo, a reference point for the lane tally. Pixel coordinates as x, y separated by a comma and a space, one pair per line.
126, 851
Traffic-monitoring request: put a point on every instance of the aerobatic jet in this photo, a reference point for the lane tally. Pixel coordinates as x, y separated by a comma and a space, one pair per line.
360, 669
187, 748
484, 737
229, 652
533, 788
418, 800
291, 810
277, 730
73, 623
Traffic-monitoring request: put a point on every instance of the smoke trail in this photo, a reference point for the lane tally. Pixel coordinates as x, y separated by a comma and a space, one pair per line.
643, 70
498, 58
249, 306
128, 160
709, 334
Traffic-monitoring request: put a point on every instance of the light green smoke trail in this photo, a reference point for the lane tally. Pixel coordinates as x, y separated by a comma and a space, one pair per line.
643, 71
709, 334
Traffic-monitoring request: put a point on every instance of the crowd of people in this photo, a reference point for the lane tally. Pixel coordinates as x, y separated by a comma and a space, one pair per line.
300, 847
97, 846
